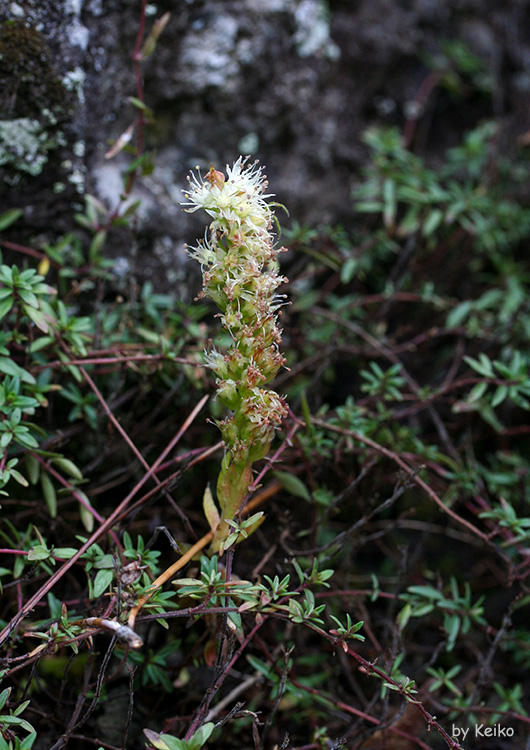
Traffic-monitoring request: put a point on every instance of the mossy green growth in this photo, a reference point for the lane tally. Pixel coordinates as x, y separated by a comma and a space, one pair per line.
29, 84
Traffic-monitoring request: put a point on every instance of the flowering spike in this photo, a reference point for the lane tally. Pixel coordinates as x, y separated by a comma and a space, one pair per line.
239, 269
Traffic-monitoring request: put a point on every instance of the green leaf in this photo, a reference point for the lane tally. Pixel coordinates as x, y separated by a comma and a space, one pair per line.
432, 222
477, 392
259, 666
484, 365
299, 570
139, 104
4, 695
32, 467
152, 39
410, 223
68, 467
202, 735
18, 477
8, 367
38, 552
131, 210
87, 519
27, 744
64, 553
210, 509
50, 495
390, 202
40, 343
102, 581
292, 484
5, 306
97, 245
7, 273
499, 396
28, 298
38, 317
459, 314
452, 627
165, 741
54, 604
250, 525
369, 207
426, 591
145, 162
23, 437
9, 217
17, 721
5, 291
348, 269
84, 221
6, 438
422, 609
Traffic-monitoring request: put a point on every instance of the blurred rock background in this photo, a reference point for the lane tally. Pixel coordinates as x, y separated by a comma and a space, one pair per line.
293, 83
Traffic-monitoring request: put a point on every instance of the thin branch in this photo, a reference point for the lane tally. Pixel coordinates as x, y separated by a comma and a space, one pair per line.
105, 526
393, 456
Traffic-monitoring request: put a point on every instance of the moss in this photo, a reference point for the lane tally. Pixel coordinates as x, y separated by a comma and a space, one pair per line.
29, 84
33, 102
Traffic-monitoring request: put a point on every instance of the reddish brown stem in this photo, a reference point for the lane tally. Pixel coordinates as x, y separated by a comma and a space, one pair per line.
105, 526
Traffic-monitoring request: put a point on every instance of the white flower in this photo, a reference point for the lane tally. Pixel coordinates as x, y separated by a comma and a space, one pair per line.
203, 253
215, 360
239, 198
239, 268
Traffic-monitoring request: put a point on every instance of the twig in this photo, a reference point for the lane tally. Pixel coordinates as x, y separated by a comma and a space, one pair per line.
190, 554
105, 526
73, 490
392, 357
233, 694
411, 472
167, 574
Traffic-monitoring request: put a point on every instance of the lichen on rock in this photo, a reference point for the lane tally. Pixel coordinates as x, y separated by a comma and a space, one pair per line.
36, 113
23, 145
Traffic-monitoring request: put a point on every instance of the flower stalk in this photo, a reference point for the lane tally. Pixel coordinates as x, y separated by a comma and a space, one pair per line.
239, 266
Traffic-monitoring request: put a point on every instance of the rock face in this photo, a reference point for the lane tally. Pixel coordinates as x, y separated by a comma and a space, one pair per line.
291, 82
42, 78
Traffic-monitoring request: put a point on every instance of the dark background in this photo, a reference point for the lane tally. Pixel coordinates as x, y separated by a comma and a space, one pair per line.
292, 82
